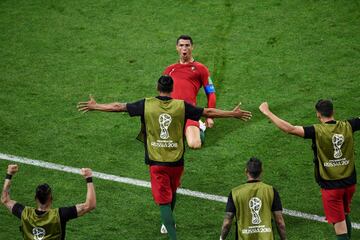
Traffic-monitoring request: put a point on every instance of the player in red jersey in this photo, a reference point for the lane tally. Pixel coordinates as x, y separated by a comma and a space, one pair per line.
189, 76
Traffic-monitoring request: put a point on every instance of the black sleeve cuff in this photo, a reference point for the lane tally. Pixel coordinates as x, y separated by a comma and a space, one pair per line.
230, 206
276, 205
17, 210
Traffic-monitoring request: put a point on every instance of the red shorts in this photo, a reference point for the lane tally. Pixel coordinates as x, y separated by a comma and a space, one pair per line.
164, 182
190, 122
337, 202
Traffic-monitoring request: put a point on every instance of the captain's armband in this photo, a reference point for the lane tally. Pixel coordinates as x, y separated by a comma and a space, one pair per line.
209, 88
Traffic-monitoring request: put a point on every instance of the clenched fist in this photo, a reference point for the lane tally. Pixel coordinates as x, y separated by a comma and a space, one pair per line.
86, 172
12, 169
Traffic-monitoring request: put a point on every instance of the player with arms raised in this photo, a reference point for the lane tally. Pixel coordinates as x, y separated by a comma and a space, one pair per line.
45, 222
189, 76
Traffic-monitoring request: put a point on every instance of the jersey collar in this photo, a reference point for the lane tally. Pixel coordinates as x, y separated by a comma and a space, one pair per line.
163, 97
331, 122
253, 181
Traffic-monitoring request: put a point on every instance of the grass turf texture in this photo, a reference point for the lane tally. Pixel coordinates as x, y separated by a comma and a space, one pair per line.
290, 53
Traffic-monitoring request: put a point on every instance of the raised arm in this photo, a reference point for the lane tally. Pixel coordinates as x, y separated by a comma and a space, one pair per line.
106, 107
235, 113
90, 202
280, 123
228, 219
5, 195
280, 224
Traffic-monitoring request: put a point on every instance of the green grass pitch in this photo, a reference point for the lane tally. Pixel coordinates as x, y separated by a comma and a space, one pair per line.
55, 53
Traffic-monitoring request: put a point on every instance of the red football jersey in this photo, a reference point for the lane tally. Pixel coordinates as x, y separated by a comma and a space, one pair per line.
188, 79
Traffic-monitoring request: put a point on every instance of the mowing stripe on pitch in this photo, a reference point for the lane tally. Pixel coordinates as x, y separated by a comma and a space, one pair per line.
146, 184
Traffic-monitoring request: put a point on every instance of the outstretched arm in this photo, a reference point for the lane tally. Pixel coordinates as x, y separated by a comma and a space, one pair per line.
5, 195
280, 123
106, 107
280, 223
235, 113
226, 225
90, 202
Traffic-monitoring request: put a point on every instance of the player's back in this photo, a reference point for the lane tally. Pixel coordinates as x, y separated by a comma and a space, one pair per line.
188, 79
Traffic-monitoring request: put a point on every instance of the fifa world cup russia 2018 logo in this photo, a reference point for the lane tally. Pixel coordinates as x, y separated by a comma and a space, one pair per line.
164, 121
39, 233
337, 141
255, 206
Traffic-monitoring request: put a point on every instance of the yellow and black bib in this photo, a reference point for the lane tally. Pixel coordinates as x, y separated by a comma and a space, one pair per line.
164, 121
46, 226
335, 150
253, 202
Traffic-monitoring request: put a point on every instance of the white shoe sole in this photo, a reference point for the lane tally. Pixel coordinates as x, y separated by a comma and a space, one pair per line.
163, 229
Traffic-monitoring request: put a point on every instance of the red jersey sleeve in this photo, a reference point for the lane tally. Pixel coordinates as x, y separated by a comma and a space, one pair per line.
208, 87
211, 98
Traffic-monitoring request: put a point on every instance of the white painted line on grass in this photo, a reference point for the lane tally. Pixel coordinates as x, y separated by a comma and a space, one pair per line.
146, 184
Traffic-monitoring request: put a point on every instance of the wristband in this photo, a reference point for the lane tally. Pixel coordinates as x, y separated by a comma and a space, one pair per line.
89, 180
8, 176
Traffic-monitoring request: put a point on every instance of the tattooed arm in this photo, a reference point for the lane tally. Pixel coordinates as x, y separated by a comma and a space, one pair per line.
105, 107
226, 225
90, 202
5, 195
280, 224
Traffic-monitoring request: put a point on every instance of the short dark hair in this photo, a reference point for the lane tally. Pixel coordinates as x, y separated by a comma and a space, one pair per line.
184, 37
165, 84
43, 193
254, 167
325, 107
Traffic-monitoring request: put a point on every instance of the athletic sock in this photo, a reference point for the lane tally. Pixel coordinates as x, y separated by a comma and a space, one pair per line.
202, 136
168, 220
348, 225
342, 237
173, 202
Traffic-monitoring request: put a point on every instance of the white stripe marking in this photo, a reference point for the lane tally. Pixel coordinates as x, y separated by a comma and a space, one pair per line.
146, 184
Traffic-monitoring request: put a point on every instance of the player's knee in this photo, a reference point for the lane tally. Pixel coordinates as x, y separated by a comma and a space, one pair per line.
194, 144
